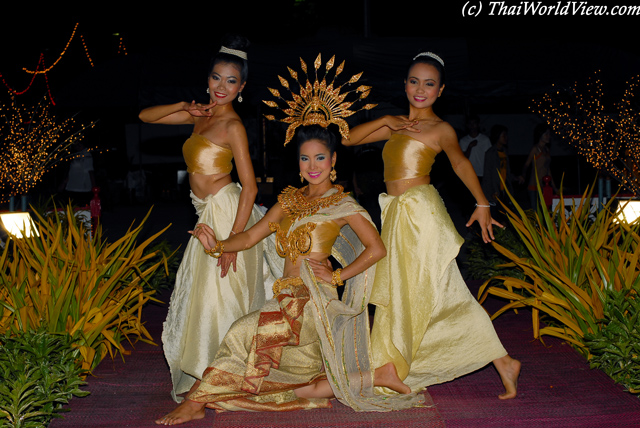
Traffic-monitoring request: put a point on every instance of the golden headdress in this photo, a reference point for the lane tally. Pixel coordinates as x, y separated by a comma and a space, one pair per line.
318, 103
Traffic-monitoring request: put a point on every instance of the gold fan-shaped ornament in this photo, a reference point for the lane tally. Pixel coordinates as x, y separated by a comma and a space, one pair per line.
318, 103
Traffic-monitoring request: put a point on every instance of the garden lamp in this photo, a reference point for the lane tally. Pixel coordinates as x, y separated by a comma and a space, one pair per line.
15, 223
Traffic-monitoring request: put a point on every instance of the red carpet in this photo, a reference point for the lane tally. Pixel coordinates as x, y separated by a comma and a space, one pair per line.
556, 389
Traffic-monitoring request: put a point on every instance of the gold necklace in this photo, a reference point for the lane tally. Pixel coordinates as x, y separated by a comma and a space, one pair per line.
296, 205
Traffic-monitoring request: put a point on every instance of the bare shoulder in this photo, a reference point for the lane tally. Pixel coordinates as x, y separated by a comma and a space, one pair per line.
230, 131
446, 129
446, 134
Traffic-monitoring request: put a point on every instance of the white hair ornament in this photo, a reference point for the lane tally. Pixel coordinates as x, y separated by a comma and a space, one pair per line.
430, 54
241, 54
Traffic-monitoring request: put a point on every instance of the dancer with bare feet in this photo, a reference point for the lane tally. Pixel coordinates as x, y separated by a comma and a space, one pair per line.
426, 321
306, 345
209, 295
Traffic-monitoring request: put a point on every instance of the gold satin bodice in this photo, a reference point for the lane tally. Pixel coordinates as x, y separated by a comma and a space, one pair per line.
204, 157
405, 158
305, 239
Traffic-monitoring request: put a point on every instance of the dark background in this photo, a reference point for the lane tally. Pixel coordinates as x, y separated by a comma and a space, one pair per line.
496, 66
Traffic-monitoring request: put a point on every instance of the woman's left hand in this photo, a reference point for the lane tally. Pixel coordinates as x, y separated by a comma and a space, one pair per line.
322, 270
483, 216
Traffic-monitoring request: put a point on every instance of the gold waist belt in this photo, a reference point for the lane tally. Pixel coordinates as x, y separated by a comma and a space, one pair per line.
282, 283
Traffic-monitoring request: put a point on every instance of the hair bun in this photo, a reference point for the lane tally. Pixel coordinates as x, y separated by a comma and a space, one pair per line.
235, 41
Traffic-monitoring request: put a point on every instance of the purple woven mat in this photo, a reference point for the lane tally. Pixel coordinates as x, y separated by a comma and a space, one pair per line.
556, 389
135, 392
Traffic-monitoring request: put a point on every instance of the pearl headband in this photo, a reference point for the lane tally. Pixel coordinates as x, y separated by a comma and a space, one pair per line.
235, 52
430, 54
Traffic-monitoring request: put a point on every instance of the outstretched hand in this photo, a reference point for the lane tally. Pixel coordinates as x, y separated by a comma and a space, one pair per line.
205, 235
397, 123
483, 216
200, 110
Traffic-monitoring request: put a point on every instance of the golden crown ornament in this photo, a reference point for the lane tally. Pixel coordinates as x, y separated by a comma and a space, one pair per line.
319, 103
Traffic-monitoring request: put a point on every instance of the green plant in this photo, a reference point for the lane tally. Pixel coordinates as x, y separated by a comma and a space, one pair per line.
39, 373
484, 261
615, 347
170, 259
65, 281
582, 278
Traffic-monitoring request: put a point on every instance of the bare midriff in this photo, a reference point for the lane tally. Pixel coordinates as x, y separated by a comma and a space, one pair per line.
398, 187
204, 185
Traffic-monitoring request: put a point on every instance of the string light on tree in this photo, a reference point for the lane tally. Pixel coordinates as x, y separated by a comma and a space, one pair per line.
35, 141
607, 136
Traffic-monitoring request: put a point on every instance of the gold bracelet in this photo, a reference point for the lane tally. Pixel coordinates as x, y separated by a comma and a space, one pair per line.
216, 252
335, 277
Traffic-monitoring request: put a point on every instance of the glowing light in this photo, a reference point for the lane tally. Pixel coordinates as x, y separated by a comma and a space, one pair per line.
19, 223
73, 33
628, 211
34, 142
41, 69
86, 50
607, 136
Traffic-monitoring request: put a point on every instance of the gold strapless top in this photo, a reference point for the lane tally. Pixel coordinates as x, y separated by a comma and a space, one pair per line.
305, 239
406, 158
204, 157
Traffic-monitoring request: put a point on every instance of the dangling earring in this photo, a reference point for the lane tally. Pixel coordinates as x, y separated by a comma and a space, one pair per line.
240, 97
207, 90
301, 179
333, 175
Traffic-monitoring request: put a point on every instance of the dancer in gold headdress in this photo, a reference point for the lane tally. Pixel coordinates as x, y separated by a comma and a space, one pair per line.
207, 300
305, 345
426, 321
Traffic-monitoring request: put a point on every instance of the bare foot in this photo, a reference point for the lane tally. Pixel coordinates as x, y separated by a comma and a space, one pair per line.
188, 410
509, 370
387, 376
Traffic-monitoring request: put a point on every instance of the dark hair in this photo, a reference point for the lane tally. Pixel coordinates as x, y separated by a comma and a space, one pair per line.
496, 131
539, 131
425, 59
233, 42
316, 132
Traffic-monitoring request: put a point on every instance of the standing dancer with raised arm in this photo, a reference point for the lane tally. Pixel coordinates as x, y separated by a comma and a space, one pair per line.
426, 321
207, 300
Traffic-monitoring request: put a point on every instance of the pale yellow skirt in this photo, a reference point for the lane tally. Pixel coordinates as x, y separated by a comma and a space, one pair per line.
426, 320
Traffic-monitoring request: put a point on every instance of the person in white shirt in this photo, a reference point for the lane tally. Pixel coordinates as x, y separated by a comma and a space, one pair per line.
474, 145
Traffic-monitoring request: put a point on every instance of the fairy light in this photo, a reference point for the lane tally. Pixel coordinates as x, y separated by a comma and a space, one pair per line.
34, 142
122, 49
41, 69
33, 78
608, 137
73, 33
86, 50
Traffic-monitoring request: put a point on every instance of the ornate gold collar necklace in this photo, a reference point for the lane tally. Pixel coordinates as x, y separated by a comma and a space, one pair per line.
296, 205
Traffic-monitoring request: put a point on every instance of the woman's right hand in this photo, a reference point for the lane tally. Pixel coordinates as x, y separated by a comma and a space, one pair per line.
397, 123
199, 110
205, 235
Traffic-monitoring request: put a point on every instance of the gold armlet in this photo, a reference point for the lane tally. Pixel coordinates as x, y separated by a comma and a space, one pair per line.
216, 252
335, 278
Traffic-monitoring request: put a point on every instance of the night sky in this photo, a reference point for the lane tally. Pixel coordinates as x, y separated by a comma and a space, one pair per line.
169, 49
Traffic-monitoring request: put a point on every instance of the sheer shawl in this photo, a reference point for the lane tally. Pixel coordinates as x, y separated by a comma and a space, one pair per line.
343, 325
